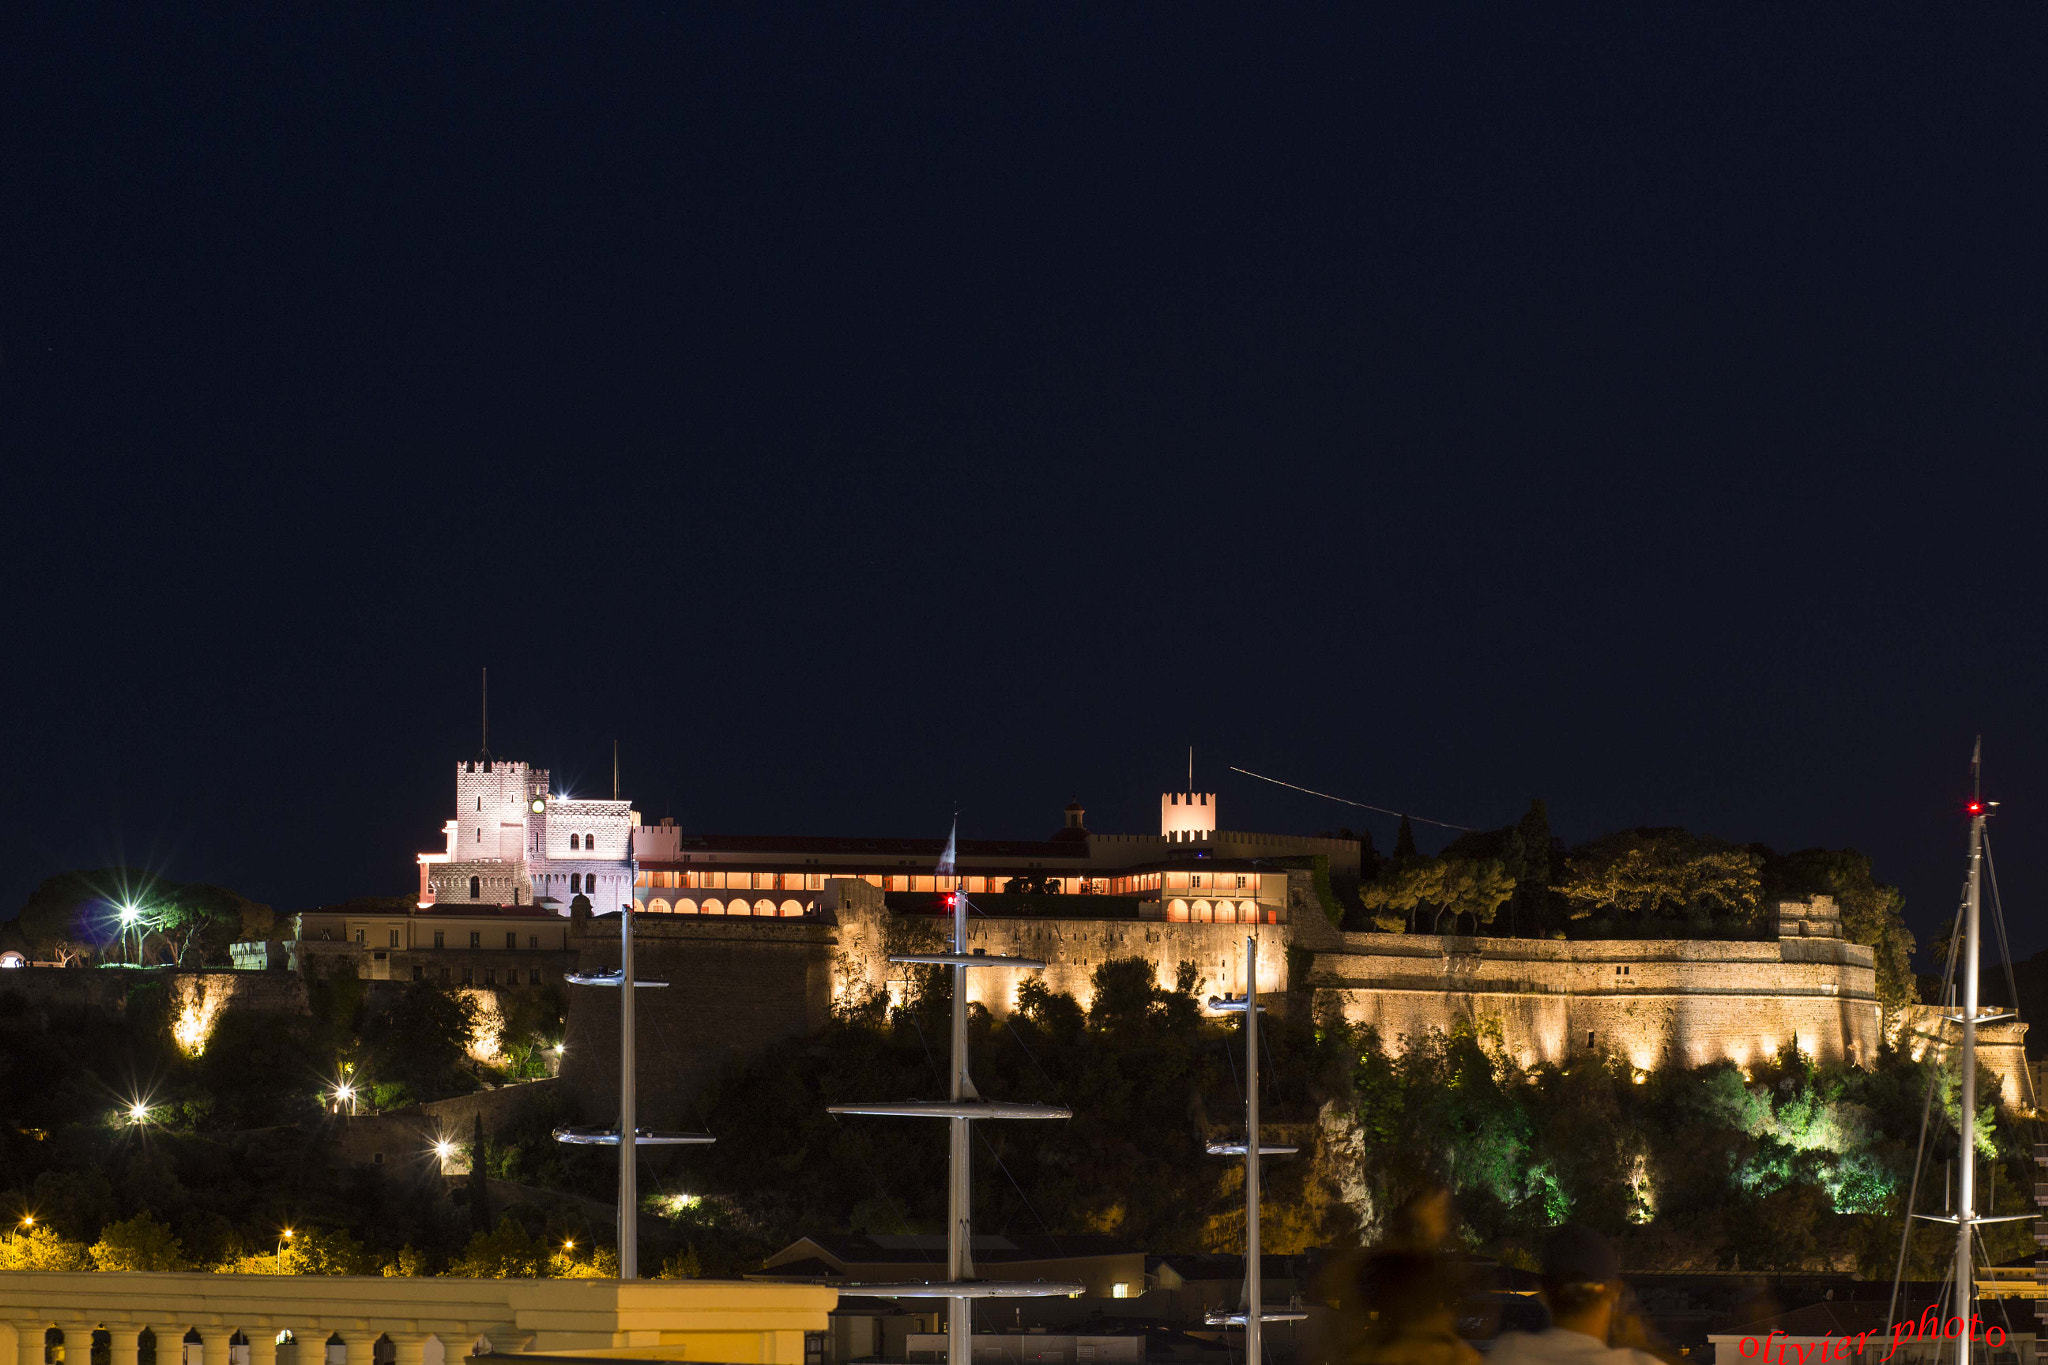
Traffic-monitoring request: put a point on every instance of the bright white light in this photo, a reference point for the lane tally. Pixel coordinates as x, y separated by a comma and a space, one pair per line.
344, 1091
444, 1149
138, 1111
129, 914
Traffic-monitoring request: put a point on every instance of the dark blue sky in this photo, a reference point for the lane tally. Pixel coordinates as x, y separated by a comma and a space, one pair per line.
859, 412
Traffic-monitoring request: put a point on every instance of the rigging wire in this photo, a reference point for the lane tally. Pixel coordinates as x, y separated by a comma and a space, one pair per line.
1347, 801
2011, 983
1948, 991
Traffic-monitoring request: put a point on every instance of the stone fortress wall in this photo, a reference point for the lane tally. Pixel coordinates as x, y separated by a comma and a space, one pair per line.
1654, 1002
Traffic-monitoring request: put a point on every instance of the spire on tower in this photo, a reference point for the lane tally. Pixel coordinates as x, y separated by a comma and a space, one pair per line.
484, 753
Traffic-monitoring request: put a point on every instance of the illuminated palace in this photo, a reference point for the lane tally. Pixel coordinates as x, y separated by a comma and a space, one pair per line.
514, 842
791, 923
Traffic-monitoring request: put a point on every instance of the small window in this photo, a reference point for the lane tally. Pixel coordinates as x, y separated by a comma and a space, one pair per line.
359, 936
440, 938
490, 976
533, 940
575, 883
575, 841
479, 803
533, 976
444, 976
1589, 1037
468, 976
394, 939
476, 888
419, 973
511, 939
1195, 882
476, 938
479, 833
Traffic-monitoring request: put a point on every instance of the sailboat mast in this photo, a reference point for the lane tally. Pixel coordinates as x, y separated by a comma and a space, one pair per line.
629, 1118
959, 1168
1254, 1289
1966, 1157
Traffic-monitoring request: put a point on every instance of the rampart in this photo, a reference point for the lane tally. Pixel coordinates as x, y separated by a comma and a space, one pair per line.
1654, 1002
737, 986
57, 992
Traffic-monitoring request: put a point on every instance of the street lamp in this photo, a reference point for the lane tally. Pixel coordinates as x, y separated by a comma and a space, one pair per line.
130, 914
138, 1112
285, 1235
345, 1091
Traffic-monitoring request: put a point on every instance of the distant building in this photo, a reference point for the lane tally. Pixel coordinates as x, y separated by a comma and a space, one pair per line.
515, 842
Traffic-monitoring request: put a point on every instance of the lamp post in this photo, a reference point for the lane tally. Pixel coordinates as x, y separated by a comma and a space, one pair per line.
285, 1235
130, 917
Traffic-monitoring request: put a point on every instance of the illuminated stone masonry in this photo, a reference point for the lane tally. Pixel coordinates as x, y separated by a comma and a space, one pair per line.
1653, 1002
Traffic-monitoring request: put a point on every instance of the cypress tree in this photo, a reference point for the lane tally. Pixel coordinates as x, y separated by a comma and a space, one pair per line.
479, 1183
1404, 841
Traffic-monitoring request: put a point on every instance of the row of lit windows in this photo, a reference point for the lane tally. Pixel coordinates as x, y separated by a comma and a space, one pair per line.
720, 880
1218, 912
739, 905
1138, 883
476, 938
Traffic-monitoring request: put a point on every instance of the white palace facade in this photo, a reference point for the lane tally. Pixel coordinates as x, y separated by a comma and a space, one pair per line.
513, 842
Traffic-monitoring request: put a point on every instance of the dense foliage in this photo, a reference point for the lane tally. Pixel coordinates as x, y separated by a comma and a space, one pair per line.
1789, 1165
76, 917
132, 1153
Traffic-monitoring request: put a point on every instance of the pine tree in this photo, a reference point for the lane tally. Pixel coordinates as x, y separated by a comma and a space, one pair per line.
479, 1181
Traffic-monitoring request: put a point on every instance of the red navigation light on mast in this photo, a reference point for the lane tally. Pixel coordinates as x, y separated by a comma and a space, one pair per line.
1975, 808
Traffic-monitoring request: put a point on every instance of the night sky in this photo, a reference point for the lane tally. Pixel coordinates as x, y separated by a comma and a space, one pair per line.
865, 412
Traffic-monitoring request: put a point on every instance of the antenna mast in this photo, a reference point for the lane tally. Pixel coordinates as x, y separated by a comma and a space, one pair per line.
485, 752
615, 770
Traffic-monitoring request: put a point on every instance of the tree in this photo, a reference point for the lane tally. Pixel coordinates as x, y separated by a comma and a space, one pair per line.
479, 1179
1872, 914
67, 916
138, 1243
1438, 887
43, 1248
198, 922
505, 1253
1649, 872
1404, 841
422, 1040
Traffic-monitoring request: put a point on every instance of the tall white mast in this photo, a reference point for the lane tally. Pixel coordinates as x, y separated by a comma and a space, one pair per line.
1966, 1158
1251, 1312
965, 1105
629, 1122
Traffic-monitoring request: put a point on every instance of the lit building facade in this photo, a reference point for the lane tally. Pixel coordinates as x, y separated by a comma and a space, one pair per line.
514, 842
1190, 872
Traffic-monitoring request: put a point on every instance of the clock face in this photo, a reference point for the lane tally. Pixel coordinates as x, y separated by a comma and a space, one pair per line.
539, 805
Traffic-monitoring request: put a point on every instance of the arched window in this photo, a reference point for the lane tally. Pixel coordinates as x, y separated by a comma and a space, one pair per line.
476, 888
575, 841
479, 833
575, 882
1177, 911
479, 803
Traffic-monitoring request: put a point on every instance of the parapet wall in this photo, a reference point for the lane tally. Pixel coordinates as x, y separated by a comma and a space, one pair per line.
1654, 1002
104, 990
